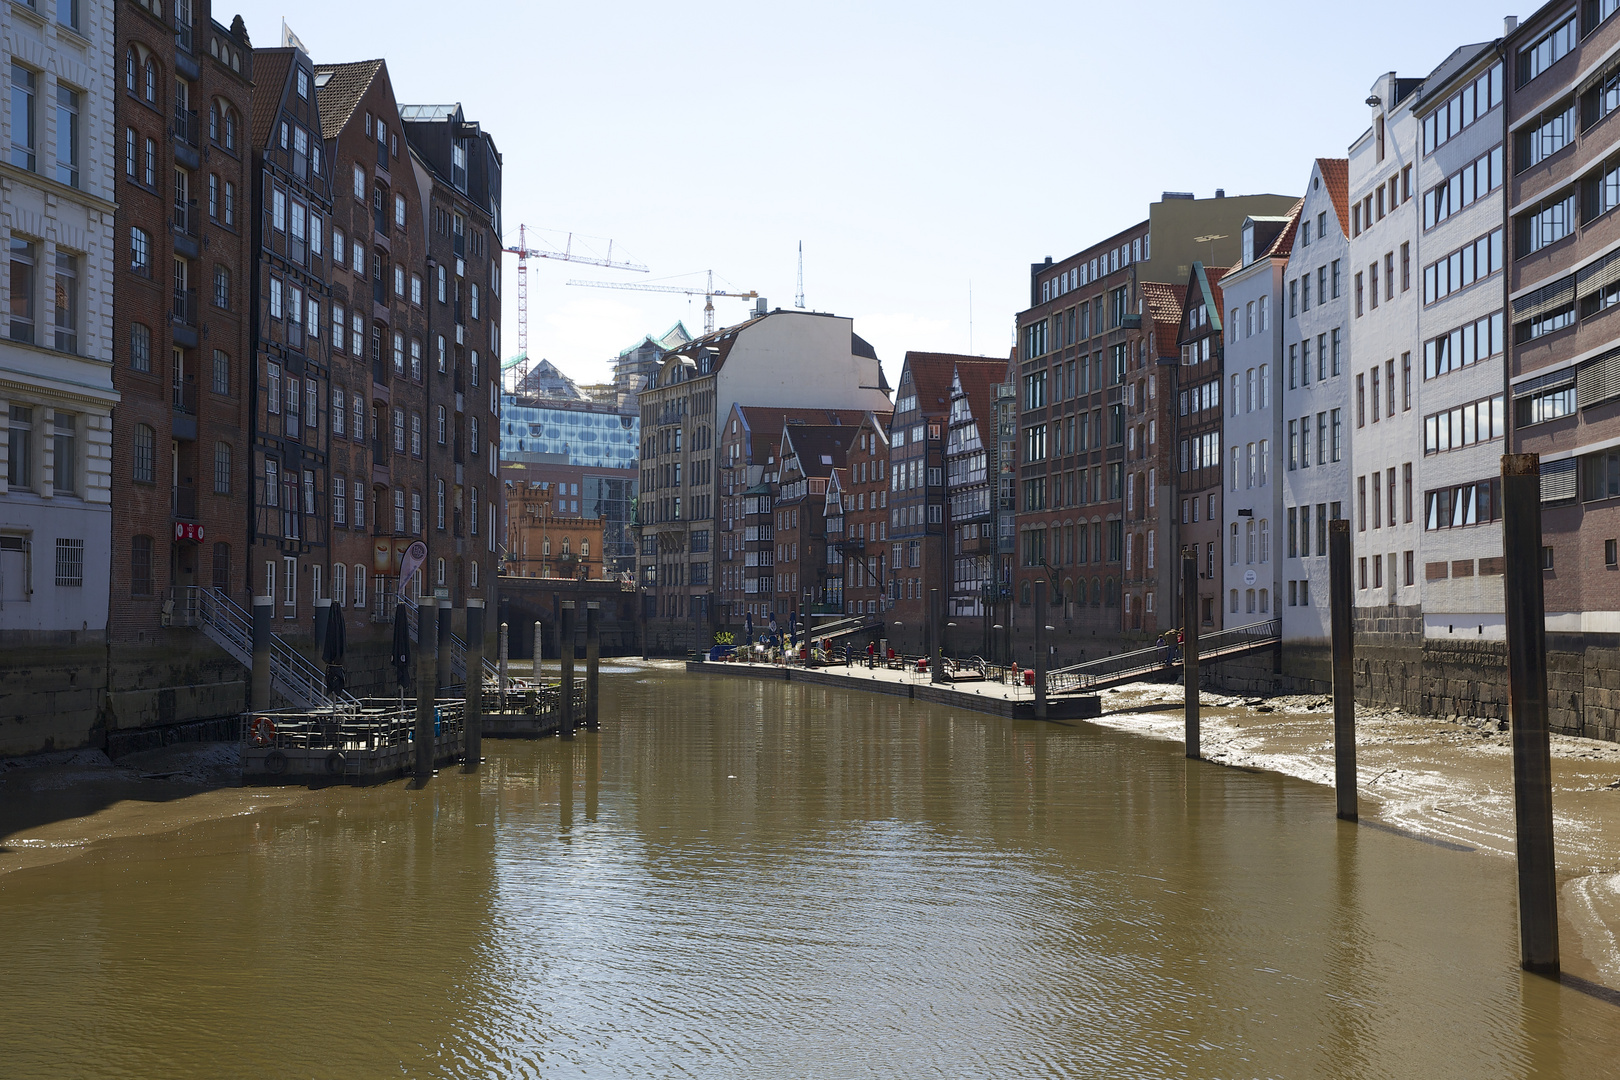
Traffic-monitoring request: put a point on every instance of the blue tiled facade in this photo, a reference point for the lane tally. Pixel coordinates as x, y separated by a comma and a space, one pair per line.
595, 439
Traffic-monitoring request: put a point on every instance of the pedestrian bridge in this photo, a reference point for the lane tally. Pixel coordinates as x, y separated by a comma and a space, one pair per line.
1094, 675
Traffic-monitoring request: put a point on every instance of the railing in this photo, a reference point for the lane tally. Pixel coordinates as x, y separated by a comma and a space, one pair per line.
1122, 667
184, 502
372, 724
185, 397
383, 612
382, 153
185, 306
292, 675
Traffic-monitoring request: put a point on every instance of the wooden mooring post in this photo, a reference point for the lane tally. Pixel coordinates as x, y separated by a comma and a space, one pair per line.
504, 646
1341, 616
1189, 648
264, 610
427, 685
593, 658
565, 654
1527, 712
473, 721
1040, 648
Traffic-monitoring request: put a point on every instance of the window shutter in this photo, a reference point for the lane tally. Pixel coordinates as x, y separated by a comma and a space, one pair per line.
1558, 480
1598, 380
1546, 298
1598, 276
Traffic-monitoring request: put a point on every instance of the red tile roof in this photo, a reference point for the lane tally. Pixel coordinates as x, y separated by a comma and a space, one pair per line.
270, 67
977, 381
1336, 175
931, 376
1165, 304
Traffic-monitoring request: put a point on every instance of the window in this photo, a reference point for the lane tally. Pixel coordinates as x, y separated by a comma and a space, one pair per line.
360, 183
145, 446
1464, 504
1463, 108
65, 441
416, 434
416, 289
442, 424
140, 252
1466, 345
23, 117
230, 203
399, 211
1546, 225
67, 136
1548, 50
1544, 405
416, 513
1463, 267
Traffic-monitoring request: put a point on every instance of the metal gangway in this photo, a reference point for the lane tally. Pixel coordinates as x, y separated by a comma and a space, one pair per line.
293, 676
843, 627
1121, 668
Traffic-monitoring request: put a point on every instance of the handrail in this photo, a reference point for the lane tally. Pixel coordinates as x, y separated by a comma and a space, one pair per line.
292, 675
1124, 666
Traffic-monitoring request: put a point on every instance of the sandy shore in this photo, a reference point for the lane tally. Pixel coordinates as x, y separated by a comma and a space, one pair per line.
1445, 779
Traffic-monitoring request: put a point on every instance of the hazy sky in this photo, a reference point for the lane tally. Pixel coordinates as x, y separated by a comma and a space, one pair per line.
915, 149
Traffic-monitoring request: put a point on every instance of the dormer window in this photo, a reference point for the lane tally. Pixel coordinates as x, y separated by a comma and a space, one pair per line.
1248, 242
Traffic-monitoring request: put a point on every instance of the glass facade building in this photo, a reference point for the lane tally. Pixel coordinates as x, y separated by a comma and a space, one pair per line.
592, 438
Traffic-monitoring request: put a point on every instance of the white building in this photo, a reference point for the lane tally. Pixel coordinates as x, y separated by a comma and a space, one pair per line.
1386, 429
56, 391
1458, 376
1314, 385
1254, 419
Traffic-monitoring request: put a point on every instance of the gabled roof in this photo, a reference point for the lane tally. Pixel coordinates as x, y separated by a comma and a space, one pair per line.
1336, 175
1282, 245
931, 375
1165, 306
976, 381
340, 91
270, 69
763, 426
819, 449
1460, 58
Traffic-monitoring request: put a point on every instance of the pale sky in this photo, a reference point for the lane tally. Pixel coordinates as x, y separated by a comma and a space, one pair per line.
917, 150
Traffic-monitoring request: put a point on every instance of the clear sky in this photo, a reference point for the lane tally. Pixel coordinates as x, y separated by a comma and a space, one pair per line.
918, 150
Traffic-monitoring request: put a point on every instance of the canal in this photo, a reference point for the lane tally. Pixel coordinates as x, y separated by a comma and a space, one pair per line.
736, 879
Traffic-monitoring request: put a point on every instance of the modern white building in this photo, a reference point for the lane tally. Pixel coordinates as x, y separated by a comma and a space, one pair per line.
1254, 419
1313, 384
1386, 290
1456, 374
56, 390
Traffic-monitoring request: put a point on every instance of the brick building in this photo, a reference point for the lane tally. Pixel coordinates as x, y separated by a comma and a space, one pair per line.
1199, 436
181, 318
1153, 524
542, 543
748, 464
459, 182
918, 524
809, 455
970, 510
866, 518
291, 197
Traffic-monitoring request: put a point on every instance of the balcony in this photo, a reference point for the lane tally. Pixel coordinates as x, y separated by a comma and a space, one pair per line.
184, 503
183, 127
184, 423
184, 311
978, 545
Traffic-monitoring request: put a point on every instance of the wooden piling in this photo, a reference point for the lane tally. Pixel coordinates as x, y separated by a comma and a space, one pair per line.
427, 683
1189, 649
1341, 616
593, 657
504, 646
446, 666
565, 654
264, 610
1040, 649
1527, 712
474, 720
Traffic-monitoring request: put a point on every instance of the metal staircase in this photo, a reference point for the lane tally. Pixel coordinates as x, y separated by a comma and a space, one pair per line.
1128, 667
843, 627
292, 675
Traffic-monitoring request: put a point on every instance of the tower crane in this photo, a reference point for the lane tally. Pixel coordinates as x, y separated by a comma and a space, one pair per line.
708, 294
524, 253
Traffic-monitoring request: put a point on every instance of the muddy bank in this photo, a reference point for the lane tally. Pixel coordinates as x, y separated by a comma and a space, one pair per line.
1448, 779
56, 806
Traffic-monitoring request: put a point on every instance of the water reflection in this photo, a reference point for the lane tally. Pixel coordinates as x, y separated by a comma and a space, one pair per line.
735, 879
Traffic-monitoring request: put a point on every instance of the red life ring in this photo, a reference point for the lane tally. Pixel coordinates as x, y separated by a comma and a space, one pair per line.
262, 732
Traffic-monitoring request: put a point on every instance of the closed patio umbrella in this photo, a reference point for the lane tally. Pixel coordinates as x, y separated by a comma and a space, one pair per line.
332, 652
401, 654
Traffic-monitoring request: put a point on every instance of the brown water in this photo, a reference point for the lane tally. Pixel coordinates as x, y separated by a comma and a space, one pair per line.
741, 880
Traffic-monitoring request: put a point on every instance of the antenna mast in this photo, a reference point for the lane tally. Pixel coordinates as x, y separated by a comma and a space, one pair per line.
798, 301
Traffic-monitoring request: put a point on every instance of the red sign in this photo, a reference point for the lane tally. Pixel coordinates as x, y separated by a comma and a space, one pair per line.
186, 531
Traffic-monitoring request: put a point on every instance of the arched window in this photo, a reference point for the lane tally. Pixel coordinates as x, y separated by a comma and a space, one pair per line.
145, 455
149, 88
230, 129
545, 547
565, 550
441, 571
1265, 602
213, 134
1096, 592
1111, 593
131, 65
585, 549
1233, 601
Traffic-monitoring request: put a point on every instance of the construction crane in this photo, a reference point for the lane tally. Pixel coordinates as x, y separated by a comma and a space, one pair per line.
524, 253
708, 294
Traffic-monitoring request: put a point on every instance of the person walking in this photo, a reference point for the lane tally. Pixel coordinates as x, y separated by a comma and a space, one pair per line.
871, 656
